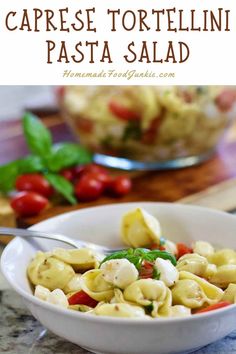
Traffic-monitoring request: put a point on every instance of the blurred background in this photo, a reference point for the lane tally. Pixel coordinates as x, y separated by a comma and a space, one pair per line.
14, 99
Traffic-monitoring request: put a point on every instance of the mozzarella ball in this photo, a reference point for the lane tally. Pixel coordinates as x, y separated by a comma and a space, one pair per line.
57, 297
168, 273
41, 292
119, 272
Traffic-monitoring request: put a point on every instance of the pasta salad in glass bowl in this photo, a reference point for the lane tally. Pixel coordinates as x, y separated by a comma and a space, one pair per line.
154, 278
149, 127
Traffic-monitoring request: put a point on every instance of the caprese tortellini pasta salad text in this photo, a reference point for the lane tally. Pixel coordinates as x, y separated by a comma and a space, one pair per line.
152, 279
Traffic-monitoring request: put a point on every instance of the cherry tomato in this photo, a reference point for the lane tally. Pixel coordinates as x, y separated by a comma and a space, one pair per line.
214, 307
121, 186
78, 170
122, 112
105, 179
68, 173
28, 203
146, 270
183, 249
35, 183
88, 188
81, 298
155, 246
225, 100
92, 167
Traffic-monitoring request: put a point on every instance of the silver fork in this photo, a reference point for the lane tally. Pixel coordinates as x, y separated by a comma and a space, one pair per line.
25, 233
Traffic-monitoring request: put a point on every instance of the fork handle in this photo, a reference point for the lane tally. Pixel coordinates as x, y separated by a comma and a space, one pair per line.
25, 233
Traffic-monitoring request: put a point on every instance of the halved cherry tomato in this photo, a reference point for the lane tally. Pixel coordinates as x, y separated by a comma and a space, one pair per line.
122, 112
28, 203
183, 249
155, 246
225, 100
146, 270
81, 298
88, 188
34, 182
120, 186
214, 307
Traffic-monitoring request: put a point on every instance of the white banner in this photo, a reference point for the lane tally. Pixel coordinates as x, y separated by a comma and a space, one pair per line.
111, 42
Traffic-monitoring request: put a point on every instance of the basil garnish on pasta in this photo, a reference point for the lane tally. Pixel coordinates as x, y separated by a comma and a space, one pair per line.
138, 255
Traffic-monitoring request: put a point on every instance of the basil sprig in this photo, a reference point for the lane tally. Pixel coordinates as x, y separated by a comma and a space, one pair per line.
45, 158
138, 255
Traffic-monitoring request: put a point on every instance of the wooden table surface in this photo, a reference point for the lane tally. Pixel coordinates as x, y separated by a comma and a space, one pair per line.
152, 186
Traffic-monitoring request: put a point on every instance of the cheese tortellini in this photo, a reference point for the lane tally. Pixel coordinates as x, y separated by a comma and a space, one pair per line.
155, 278
49, 271
193, 263
119, 310
140, 229
80, 259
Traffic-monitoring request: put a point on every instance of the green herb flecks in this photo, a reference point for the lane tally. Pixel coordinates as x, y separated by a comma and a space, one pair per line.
132, 131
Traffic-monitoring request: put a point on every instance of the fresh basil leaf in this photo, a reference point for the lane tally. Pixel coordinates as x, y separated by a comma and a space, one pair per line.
136, 260
153, 255
118, 255
30, 164
61, 185
37, 136
67, 155
141, 251
8, 175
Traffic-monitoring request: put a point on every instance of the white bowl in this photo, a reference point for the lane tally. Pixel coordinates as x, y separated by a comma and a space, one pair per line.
133, 336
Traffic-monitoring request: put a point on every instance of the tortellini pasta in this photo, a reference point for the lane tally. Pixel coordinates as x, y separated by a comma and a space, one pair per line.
80, 259
230, 294
49, 272
120, 310
188, 292
225, 275
213, 293
193, 291
145, 281
203, 248
140, 229
193, 263
144, 291
93, 284
223, 257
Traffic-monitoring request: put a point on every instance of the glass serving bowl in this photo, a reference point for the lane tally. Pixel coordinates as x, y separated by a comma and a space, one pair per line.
149, 127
